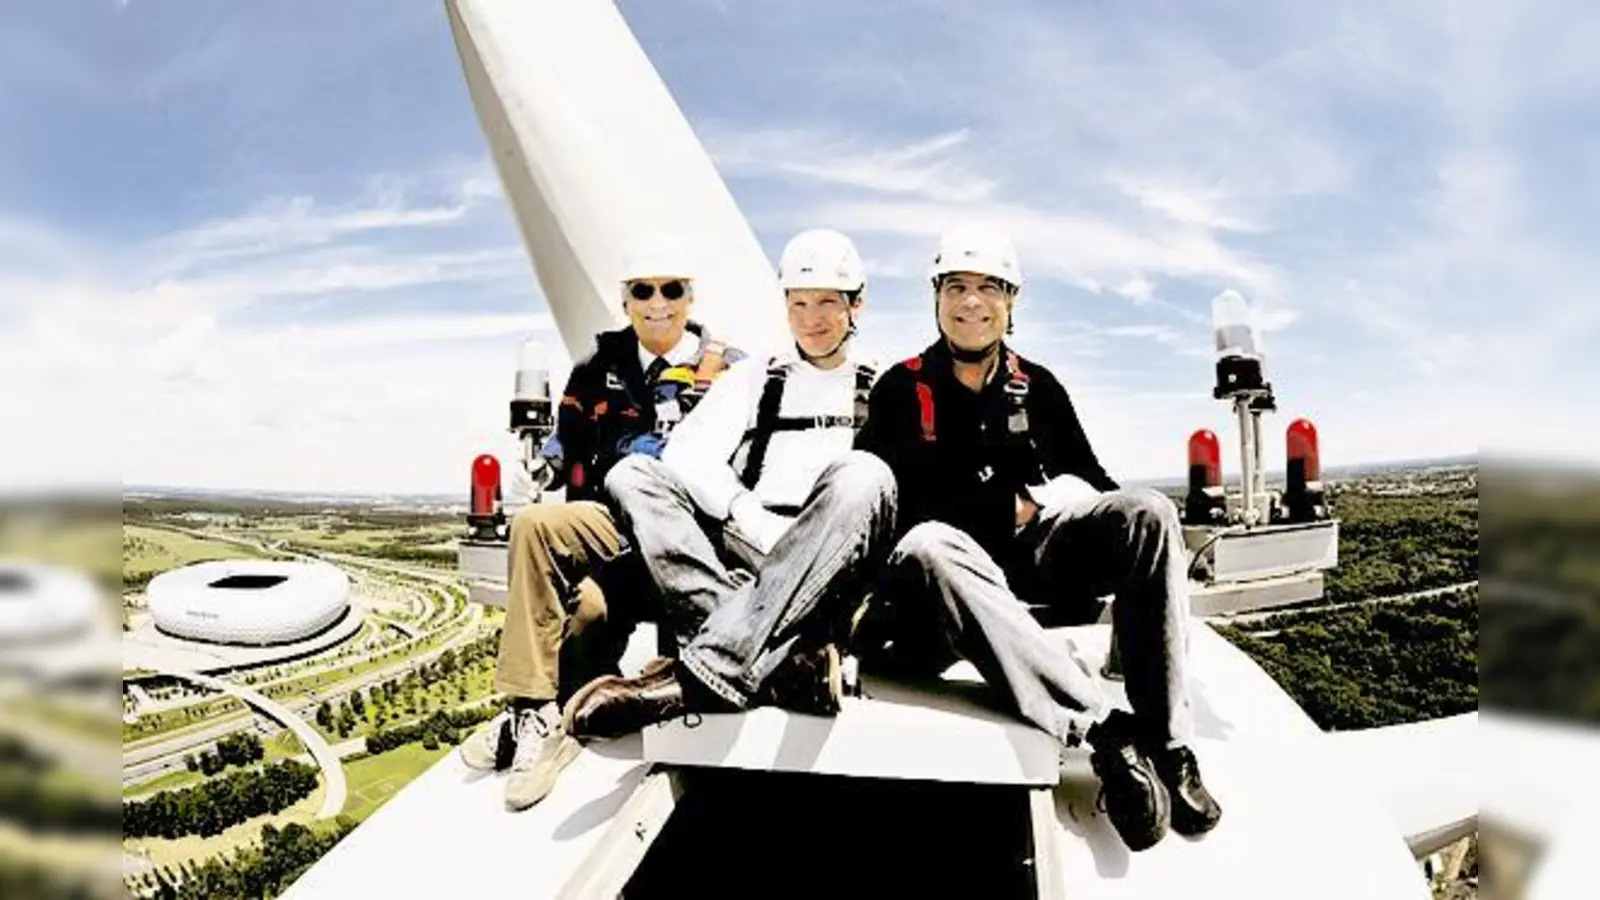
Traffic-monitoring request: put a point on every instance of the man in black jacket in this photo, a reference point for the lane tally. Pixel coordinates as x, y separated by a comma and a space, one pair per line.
576, 588
1001, 498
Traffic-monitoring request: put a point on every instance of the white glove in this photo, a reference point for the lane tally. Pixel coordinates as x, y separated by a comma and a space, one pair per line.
528, 481
758, 526
1062, 493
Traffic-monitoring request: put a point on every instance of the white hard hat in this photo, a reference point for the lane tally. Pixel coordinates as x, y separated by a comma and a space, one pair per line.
821, 258
657, 256
981, 250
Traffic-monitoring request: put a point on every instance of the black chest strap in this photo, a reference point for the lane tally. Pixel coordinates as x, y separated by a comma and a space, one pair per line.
770, 422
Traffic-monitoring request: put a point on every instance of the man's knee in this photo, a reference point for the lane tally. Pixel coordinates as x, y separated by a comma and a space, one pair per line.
633, 474
929, 545
1148, 510
550, 525
536, 523
862, 474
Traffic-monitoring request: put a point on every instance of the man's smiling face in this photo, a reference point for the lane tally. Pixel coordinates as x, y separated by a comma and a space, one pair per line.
974, 310
660, 316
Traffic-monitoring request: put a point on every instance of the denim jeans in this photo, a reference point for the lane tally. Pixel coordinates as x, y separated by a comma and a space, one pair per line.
951, 599
795, 596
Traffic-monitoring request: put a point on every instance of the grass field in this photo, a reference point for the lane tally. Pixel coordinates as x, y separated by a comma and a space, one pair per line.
147, 552
372, 781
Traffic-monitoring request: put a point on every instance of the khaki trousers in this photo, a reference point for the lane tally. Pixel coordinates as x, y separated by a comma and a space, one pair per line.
560, 632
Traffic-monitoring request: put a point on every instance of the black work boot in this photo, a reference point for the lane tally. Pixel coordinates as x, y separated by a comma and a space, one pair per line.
809, 681
1135, 799
1194, 810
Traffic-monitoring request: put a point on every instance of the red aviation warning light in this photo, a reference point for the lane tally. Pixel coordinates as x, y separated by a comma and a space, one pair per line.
1205, 503
484, 514
1302, 494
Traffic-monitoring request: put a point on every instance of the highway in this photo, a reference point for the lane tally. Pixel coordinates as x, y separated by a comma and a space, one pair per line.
332, 770
1246, 618
142, 762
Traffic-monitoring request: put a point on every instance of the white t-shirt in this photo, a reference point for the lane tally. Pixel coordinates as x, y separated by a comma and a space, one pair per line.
708, 448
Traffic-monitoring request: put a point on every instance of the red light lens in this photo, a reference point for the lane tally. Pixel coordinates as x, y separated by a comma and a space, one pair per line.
1301, 444
1205, 459
485, 484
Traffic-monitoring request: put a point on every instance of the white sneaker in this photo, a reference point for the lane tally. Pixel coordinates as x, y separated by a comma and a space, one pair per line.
482, 751
543, 749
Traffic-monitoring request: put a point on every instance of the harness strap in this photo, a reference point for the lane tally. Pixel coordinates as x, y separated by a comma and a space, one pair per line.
766, 418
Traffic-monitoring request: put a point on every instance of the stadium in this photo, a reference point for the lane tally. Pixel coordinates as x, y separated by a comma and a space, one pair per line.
253, 603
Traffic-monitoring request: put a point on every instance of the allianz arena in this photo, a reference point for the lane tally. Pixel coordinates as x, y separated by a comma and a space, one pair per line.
249, 602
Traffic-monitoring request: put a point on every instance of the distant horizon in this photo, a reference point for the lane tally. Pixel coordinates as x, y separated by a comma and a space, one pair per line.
172, 491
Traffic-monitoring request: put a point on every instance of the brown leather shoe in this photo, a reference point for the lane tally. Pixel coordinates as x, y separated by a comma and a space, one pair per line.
655, 666
809, 681
611, 706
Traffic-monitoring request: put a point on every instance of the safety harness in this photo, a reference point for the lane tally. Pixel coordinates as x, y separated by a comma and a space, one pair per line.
1016, 391
769, 422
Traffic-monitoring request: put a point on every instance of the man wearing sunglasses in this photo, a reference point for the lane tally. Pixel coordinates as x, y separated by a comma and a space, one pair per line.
760, 511
1002, 498
576, 588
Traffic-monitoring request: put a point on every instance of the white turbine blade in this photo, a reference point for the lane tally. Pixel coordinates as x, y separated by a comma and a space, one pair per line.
593, 152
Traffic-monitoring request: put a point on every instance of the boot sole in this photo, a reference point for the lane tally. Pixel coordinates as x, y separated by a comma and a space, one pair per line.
565, 754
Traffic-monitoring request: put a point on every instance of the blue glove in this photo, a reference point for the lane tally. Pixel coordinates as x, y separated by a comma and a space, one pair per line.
647, 444
553, 453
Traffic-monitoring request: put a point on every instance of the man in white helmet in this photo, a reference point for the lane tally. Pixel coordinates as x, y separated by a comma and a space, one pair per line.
760, 509
1002, 501
575, 588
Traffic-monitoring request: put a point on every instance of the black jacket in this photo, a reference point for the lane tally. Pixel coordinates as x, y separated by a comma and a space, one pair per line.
607, 403
971, 473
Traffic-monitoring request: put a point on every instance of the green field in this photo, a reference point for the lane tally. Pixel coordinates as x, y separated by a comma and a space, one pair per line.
280, 746
374, 780
147, 552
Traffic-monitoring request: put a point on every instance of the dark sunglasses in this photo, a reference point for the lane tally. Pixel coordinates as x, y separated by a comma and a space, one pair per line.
672, 290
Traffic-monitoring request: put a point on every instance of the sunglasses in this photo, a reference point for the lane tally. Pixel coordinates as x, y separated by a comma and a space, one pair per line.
672, 290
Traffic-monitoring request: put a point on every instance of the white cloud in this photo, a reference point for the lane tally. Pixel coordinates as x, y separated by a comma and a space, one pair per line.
1184, 205
923, 168
1085, 250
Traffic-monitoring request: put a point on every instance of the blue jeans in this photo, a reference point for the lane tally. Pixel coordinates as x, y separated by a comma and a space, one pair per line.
950, 599
765, 607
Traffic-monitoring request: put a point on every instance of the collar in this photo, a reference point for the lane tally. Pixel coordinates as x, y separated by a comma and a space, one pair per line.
681, 354
940, 360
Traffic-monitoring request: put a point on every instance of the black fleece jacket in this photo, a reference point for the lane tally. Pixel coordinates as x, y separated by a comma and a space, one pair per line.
971, 474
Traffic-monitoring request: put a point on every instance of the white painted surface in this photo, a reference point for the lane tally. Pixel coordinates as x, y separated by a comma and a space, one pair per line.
448, 834
955, 739
1426, 774
1289, 808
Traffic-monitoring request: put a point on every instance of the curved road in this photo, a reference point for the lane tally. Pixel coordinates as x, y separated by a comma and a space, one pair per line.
1243, 618
327, 759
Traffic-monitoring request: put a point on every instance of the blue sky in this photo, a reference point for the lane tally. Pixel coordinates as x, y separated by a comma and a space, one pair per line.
261, 245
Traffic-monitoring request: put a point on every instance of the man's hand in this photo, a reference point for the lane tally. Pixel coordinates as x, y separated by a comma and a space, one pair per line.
1026, 510
759, 526
529, 480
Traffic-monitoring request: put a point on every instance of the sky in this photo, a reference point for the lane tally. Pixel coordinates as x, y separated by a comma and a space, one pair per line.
250, 245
